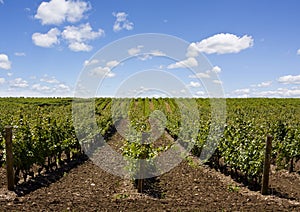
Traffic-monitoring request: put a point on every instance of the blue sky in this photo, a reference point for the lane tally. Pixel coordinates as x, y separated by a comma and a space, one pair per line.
254, 46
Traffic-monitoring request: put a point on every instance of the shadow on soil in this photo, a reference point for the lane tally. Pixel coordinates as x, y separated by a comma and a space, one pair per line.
151, 187
44, 180
252, 185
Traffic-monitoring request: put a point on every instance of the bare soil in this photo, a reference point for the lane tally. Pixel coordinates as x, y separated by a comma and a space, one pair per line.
83, 186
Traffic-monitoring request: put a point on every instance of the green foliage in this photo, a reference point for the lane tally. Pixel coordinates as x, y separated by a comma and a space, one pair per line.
233, 188
41, 134
43, 130
121, 196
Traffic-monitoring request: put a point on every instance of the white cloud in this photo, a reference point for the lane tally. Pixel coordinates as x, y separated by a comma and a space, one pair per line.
102, 72
2, 81
217, 81
5, 63
105, 71
82, 33
200, 75
91, 62
194, 84
135, 50
242, 91
189, 62
54, 89
9, 74
280, 92
298, 52
157, 53
216, 69
41, 88
200, 93
192, 50
21, 87
78, 36
20, 54
147, 56
221, 44
50, 80
62, 88
46, 40
80, 47
59, 11
121, 22
18, 83
263, 84
289, 79
112, 63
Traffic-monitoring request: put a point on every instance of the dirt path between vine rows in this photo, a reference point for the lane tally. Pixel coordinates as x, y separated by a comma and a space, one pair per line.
187, 187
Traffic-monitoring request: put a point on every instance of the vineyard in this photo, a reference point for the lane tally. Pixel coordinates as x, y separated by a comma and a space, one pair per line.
45, 137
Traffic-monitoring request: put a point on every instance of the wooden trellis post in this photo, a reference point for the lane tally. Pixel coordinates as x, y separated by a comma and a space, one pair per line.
9, 158
266, 171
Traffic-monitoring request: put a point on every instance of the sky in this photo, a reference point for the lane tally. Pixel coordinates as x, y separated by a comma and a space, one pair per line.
253, 46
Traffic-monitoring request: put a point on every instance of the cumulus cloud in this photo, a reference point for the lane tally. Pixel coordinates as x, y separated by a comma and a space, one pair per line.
82, 33
53, 89
242, 91
90, 62
293, 92
112, 63
18, 83
105, 71
121, 22
289, 79
223, 43
147, 56
5, 63
41, 88
298, 52
135, 50
192, 50
20, 54
46, 40
200, 93
217, 81
263, 84
280, 92
157, 53
200, 75
194, 84
189, 62
80, 47
102, 72
62, 88
50, 80
77, 37
215, 69
59, 11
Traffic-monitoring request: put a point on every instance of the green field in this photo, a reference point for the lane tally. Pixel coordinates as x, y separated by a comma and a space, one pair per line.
44, 133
